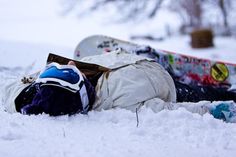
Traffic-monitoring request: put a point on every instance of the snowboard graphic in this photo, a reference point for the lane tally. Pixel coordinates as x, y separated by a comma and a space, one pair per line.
188, 69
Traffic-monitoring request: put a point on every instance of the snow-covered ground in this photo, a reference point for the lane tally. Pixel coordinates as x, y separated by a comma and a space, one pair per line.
31, 29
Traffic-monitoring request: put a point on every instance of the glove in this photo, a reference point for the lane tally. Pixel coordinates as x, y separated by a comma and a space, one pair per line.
30, 78
225, 111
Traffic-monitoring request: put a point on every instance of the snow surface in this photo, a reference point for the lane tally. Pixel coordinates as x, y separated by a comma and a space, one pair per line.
31, 29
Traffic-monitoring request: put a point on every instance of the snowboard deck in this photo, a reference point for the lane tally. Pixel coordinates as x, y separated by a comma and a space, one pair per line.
188, 69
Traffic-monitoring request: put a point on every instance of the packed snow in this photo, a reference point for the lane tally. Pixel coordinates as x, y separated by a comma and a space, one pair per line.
31, 29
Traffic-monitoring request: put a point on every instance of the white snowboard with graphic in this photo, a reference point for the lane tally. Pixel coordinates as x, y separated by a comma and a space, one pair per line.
191, 70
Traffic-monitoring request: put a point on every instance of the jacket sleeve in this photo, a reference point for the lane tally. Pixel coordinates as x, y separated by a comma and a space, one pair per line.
13, 88
157, 105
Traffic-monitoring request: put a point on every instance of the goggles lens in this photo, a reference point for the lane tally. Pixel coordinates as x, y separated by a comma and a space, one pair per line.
65, 74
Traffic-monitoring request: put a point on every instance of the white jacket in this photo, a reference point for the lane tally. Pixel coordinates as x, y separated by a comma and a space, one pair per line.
133, 82
136, 82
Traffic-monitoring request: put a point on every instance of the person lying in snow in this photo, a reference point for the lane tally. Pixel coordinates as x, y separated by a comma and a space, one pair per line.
133, 82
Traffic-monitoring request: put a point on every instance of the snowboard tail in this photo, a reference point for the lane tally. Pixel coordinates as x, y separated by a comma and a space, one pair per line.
184, 68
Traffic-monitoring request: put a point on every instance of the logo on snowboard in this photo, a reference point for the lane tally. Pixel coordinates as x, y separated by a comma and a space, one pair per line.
219, 72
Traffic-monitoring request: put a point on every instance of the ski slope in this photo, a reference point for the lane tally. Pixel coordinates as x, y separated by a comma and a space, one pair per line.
28, 34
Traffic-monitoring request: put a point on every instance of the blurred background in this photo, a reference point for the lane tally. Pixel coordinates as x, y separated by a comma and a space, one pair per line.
204, 28
174, 16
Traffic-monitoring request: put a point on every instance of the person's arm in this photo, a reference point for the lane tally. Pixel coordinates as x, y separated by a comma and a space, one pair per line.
225, 110
12, 90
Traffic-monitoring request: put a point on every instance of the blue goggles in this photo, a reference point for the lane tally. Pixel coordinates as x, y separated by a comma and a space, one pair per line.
64, 76
67, 76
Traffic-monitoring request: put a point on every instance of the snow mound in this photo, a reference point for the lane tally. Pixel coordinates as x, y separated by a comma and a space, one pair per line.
113, 133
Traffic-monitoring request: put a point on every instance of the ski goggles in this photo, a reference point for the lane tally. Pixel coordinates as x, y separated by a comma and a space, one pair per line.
64, 76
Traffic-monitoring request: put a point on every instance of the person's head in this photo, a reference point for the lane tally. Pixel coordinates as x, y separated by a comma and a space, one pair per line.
61, 89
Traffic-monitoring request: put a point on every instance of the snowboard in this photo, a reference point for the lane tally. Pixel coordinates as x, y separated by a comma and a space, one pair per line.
184, 68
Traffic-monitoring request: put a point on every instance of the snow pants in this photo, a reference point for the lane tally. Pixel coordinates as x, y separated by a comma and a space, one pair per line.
196, 93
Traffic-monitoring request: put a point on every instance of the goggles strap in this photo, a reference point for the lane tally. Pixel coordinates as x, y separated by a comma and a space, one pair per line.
84, 98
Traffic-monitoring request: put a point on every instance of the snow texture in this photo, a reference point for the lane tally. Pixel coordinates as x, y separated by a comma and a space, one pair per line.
31, 29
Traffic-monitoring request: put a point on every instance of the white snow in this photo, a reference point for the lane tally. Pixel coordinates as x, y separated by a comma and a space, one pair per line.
31, 29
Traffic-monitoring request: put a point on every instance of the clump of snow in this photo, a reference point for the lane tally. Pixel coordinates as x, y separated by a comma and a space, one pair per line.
114, 133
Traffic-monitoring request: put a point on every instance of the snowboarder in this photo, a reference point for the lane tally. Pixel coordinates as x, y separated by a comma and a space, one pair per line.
133, 82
